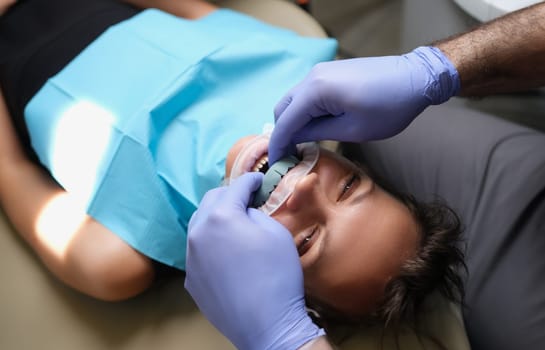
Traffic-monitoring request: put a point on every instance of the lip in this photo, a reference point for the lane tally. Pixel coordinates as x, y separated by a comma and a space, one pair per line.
249, 155
257, 148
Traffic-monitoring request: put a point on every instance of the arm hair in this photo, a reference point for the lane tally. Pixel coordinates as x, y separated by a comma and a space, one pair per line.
504, 55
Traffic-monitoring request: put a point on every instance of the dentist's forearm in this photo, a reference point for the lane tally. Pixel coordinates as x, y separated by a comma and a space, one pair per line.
504, 55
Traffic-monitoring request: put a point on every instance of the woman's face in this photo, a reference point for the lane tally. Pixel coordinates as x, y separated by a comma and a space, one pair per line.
351, 235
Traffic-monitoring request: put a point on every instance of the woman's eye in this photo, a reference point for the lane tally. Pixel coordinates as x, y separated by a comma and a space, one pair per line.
349, 185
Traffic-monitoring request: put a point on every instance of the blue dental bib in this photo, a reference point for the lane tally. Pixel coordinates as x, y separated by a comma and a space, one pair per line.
138, 125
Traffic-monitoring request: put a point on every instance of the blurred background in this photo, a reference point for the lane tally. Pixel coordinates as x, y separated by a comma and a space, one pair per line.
382, 27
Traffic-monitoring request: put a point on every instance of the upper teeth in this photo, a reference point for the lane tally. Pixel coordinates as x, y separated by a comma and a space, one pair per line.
260, 163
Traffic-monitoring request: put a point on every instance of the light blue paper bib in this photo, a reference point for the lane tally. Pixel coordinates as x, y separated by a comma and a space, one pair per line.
139, 124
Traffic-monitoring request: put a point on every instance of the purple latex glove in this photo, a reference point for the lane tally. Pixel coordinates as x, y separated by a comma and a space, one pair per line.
243, 271
362, 99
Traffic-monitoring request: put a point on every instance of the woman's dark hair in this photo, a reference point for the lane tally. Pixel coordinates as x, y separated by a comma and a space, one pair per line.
437, 265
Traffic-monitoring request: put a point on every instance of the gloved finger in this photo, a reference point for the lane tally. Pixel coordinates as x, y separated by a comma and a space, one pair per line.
289, 149
299, 112
286, 100
196, 218
211, 196
208, 203
324, 128
239, 192
282, 105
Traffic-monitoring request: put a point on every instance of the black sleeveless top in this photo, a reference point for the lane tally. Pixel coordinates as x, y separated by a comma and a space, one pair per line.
39, 37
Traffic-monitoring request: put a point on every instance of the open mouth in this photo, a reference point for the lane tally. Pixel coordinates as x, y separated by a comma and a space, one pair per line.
274, 175
261, 165
254, 157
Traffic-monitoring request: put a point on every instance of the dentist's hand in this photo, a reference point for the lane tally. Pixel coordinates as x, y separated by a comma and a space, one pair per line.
362, 99
243, 271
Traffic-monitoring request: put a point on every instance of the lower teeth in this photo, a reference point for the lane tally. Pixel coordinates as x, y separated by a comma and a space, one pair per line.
264, 168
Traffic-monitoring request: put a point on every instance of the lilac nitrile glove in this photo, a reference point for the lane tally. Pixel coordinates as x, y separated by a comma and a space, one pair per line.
243, 271
362, 99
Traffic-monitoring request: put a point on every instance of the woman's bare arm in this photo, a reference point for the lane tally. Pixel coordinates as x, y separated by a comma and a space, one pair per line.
190, 9
74, 247
25, 188
504, 55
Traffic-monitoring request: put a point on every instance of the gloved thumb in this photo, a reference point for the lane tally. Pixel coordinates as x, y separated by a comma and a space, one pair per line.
241, 189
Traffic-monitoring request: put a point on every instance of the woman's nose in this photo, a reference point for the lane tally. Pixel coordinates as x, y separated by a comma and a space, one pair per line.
305, 193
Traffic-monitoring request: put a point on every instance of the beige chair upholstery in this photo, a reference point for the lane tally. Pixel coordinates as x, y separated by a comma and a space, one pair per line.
38, 312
